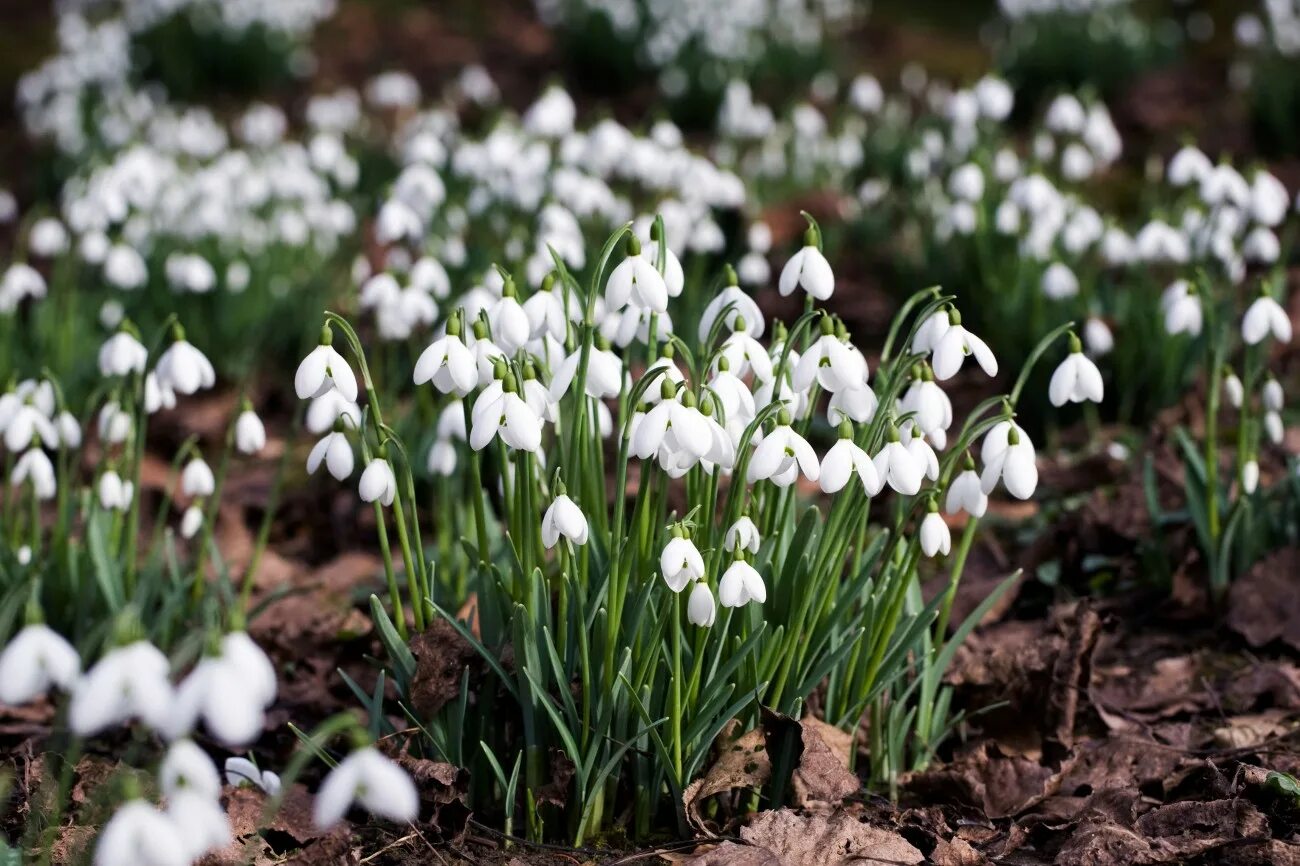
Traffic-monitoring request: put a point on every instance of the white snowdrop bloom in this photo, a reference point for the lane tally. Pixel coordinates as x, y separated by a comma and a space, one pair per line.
935, 537
197, 478
191, 522
779, 452
740, 584
1117, 248
1006, 219
1261, 246
852, 404
1097, 337
965, 494
507, 415
255, 669
378, 484
20, 281
1269, 199
932, 408
737, 307
35, 467
995, 97
158, 394
920, 449
546, 315
371, 780
744, 354
114, 493
26, 425
250, 433
1188, 166
1157, 241
1008, 454
563, 519
1059, 282
1250, 476
241, 771
931, 331
428, 275
807, 270
842, 461
700, 607
831, 362
140, 835
866, 94
742, 534
37, 659
636, 281
216, 693
47, 238
1076, 379
441, 459
184, 369
201, 823
129, 682
1077, 163
1222, 185
449, 364
328, 408
122, 354
113, 424
1065, 115
1265, 316
397, 221
898, 467
510, 327
1273, 427
953, 347
186, 767
1272, 394
552, 115
125, 268
967, 183
1182, 308
335, 452
1233, 389
680, 563
604, 374
324, 369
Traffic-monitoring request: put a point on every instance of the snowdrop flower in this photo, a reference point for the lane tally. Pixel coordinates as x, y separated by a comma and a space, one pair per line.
780, 452
68, 429
125, 268
1273, 427
831, 362
1272, 394
1009, 455
1261, 246
114, 493
808, 270
920, 449
336, 452
843, 460
186, 767
1097, 337
1076, 379
967, 183
448, 363
852, 404
215, 692
636, 280
898, 467
506, 415
740, 584
510, 326
183, 368
700, 607
744, 354
680, 562
1188, 166
241, 771
931, 332
37, 659
604, 373
1233, 389
324, 369
250, 433
441, 459
122, 354
331, 407
965, 493
27, 425
200, 822
374, 781
191, 521
1059, 282
35, 467
157, 395
128, 682
197, 478
563, 518
1250, 476
378, 483
935, 537
20, 281
931, 407
953, 347
738, 307
1264, 317
1268, 199
1182, 308
742, 534
113, 424
140, 835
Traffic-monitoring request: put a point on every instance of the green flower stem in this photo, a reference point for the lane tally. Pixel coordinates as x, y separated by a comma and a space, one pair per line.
958, 566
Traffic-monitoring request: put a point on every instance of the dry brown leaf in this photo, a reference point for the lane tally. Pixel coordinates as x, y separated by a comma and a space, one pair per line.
1263, 605
441, 656
802, 839
731, 854
1249, 731
823, 774
741, 762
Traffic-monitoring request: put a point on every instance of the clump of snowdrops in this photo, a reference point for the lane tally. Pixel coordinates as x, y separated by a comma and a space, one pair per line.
652, 546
